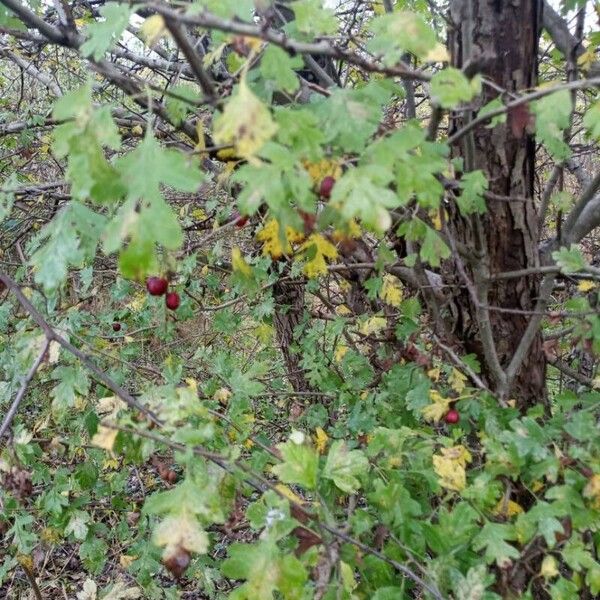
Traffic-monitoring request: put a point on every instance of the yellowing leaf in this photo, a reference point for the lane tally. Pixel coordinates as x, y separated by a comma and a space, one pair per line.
391, 290
137, 302
458, 454
342, 310
451, 473
199, 214
507, 509
222, 395
373, 325
272, 243
549, 568
137, 131
246, 123
323, 249
239, 263
286, 492
592, 491
340, 352
321, 439
105, 438
434, 374
585, 285
125, 560
323, 168
438, 408
180, 531
438, 53
153, 29
457, 381
587, 59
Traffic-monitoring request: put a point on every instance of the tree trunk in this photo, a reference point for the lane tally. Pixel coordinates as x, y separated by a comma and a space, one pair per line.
500, 40
289, 311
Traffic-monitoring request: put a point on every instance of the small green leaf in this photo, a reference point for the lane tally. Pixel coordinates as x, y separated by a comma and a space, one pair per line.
102, 34
277, 69
471, 200
569, 260
300, 463
344, 467
313, 19
552, 118
450, 87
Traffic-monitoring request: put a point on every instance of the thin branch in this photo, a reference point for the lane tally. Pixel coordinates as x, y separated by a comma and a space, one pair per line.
531, 331
260, 484
540, 93
195, 61
569, 372
461, 364
51, 335
12, 411
208, 20
586, 198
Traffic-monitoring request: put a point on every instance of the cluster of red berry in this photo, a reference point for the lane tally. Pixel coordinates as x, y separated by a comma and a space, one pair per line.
157, 286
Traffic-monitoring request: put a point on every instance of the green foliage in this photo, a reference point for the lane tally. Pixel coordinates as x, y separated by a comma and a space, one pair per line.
552, 118
293, 441
102, 34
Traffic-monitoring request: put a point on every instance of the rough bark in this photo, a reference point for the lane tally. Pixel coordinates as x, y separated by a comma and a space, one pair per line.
288, 314
501, 39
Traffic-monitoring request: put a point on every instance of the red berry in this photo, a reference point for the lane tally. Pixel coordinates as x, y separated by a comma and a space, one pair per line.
241, 221
326, 187
172, 300
157, 286
452, 416
116, 326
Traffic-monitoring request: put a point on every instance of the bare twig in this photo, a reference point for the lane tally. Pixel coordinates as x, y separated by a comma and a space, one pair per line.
23, 389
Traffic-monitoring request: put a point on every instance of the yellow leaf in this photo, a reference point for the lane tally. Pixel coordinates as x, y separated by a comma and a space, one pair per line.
507, 509
340, 352
438, 408
137, 302
436, 219
239, 263
323, 168
125, 560
199, 214
585, 285
457, 381
105, 438
434, 374
272, 244
137, 131
459, 454
222, 395
451, 473
438, 53
323, 249
286, 492
536, 486
342, 310
246, 123
321, 439
549, 568
391, 290
587, 59
592, 491
373, 325
434, 412
153, 29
